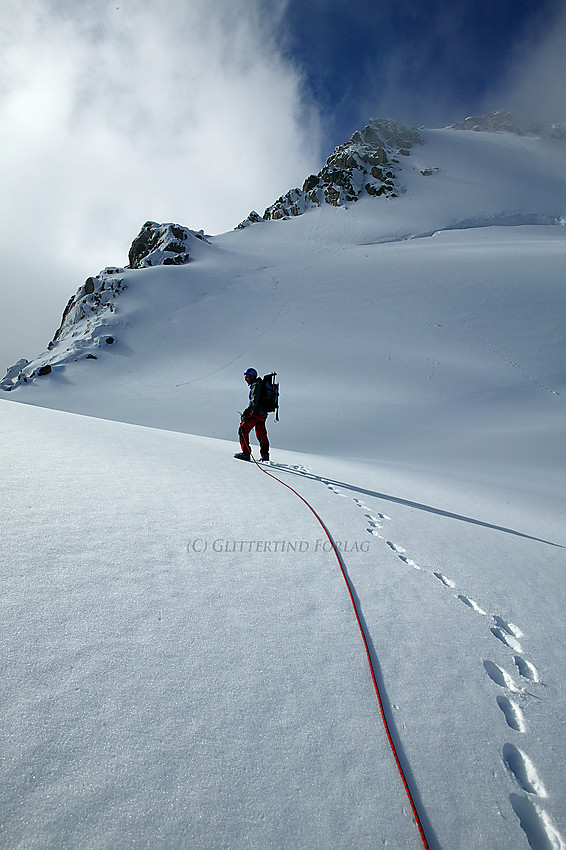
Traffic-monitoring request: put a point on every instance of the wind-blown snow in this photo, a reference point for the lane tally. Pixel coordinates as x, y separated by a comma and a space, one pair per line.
182, 667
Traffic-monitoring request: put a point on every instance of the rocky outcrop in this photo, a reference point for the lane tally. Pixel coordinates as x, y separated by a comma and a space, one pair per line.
550, 131
368, 164
95, 297
162, 245
505, 122
12, 376
82, 331
87, 318
253, 218
495, 122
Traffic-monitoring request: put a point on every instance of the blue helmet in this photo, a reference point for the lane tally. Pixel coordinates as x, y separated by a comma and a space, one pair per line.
251, 372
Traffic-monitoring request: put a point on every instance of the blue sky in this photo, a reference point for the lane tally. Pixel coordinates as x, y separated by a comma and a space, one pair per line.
430, 62
114, 112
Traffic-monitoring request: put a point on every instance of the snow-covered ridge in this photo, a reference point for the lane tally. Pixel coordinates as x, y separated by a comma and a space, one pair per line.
505, 122
84, 329
85, 324
367, 164
440, 180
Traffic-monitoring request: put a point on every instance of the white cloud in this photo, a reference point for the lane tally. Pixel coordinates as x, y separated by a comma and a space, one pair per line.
118, 112
534, 85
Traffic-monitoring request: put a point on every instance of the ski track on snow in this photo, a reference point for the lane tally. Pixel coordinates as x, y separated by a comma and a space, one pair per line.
533, 818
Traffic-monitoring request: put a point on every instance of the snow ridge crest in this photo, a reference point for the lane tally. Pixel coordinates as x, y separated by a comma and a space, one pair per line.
84, 329
501, 121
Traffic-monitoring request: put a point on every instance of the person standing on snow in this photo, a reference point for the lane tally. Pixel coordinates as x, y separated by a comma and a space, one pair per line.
254, 416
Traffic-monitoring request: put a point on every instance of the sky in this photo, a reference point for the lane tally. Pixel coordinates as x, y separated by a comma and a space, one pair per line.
115, 112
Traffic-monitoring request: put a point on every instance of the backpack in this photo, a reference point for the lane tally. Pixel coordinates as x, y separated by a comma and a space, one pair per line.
270, 394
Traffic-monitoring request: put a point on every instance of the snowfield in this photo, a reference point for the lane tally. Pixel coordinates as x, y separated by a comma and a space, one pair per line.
169, 682
182, 666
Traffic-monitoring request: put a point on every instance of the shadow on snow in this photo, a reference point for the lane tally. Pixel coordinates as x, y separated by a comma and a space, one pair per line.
409, 504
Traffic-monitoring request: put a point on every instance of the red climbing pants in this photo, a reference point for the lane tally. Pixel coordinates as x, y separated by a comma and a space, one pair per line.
257, 421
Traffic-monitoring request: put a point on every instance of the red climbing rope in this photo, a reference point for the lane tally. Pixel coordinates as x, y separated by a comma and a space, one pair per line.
368, 654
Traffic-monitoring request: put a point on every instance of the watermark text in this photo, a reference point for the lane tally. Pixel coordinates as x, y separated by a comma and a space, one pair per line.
199, 545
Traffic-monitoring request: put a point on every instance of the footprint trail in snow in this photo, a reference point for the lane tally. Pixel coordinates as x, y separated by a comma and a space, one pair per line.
533, 818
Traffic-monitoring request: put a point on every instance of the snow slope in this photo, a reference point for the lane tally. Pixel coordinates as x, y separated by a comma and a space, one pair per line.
171, 680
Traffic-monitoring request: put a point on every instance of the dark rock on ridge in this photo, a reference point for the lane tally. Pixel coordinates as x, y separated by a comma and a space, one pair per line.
498, 121
367, 164
161, 245
86, 318
501, 121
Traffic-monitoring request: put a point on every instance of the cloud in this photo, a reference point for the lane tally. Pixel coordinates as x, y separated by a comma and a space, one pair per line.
533, 86
118, 112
